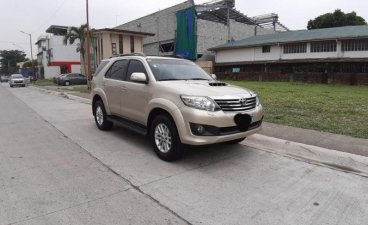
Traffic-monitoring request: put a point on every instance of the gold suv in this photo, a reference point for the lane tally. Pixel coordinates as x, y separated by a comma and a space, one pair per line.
173, 102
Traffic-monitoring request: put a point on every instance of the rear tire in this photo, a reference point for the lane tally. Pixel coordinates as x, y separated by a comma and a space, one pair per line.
234, 142
165, 138
101, 117
11, 86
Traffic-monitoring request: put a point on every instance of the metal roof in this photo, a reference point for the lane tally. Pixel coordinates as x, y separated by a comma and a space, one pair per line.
299, 36
122, 31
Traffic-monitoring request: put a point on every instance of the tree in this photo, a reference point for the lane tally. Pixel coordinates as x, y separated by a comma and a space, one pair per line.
336, 19
28, 64
80, 34
9, 60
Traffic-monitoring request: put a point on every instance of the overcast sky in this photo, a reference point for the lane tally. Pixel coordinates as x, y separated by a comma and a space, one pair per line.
34, 16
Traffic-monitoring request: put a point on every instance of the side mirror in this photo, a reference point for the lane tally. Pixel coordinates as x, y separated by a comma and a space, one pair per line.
138, 77
214, 76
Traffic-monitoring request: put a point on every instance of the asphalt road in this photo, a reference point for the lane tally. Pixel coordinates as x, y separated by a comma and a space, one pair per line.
56, 167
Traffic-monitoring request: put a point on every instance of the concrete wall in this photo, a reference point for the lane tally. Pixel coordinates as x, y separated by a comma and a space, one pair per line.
61, 52
211, 34
163, 24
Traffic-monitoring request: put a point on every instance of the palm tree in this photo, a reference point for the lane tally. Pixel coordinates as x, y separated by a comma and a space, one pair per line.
78, 33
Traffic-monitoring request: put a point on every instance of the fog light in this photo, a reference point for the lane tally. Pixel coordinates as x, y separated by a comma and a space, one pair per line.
200, 129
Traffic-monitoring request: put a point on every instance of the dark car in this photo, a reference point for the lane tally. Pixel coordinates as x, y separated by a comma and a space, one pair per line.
56, 78
71, 79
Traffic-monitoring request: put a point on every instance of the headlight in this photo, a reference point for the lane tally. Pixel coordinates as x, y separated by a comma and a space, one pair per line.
202, 103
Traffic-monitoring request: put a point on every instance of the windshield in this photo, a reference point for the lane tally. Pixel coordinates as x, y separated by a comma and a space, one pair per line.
16, 76
169, 69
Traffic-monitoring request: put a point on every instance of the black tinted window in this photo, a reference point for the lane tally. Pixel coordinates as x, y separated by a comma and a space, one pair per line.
118, 70
135, 66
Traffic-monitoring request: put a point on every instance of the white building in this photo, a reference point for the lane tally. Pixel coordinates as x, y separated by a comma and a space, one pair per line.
55, 58
327, 51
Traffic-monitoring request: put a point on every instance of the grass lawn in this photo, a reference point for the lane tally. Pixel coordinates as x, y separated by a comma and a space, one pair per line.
81, 89
44, 82
339, 109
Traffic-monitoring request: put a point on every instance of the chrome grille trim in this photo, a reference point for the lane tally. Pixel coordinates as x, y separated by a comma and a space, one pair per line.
233, 105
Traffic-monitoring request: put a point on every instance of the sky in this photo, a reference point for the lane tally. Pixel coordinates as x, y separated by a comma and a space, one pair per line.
35, 16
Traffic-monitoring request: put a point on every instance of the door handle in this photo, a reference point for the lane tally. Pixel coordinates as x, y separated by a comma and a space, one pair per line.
123, 88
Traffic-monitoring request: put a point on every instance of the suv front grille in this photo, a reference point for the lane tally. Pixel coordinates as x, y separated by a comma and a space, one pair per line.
242, 104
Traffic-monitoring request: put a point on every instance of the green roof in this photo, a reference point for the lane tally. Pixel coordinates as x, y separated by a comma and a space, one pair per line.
299, 36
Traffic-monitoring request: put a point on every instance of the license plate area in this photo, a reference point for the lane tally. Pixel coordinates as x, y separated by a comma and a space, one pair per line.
243, 121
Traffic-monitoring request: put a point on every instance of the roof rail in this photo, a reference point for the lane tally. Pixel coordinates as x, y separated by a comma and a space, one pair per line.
130, 54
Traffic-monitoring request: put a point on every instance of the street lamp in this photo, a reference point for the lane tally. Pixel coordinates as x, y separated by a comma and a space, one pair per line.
30, 42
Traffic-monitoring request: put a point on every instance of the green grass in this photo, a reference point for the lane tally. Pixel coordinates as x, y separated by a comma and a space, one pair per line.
339, 109
45, 82
81, 89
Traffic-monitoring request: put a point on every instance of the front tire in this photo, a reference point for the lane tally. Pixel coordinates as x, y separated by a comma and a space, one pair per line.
67, 83
100, 117
165, 138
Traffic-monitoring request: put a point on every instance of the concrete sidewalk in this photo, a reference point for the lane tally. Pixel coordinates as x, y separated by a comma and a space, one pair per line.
337, 142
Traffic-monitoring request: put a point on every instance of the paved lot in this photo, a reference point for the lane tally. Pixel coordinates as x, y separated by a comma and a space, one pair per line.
57, 168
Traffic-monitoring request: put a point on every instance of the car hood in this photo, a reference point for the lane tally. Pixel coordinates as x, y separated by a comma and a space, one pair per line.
205, 88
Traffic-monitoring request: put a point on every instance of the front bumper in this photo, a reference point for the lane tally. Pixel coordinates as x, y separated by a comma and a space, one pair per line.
185, 116
17, 83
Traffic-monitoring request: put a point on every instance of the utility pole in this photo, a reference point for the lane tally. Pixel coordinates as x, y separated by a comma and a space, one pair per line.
30, 43
228, 25
89, 72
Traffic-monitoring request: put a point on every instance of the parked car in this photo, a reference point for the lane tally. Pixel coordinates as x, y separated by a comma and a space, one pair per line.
71, 79
172, 101
55, 79
17, 80
4, 78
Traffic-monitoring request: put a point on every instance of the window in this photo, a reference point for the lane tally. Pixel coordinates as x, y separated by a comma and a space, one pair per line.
168, 47
100, 67
324, 46
135, 66
101, 47
113, 47
236, 70
118, 70
295, 48
121, 44
131, 44
266, 49
354, 45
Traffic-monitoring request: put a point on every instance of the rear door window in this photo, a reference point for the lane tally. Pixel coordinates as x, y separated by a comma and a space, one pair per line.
118, 70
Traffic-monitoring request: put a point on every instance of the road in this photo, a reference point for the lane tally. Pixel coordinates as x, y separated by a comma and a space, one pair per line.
56, 167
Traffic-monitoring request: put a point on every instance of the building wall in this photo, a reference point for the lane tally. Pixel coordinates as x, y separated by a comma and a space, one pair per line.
254, 54
61, 52
211, 34
163, 25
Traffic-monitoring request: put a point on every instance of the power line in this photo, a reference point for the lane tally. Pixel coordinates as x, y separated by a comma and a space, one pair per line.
48, 20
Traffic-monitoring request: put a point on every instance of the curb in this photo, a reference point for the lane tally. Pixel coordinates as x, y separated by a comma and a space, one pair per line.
63, 94
342, 161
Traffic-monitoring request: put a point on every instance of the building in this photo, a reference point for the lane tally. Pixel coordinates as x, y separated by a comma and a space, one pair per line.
210, 24
332, 55
55, 58
109, 42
